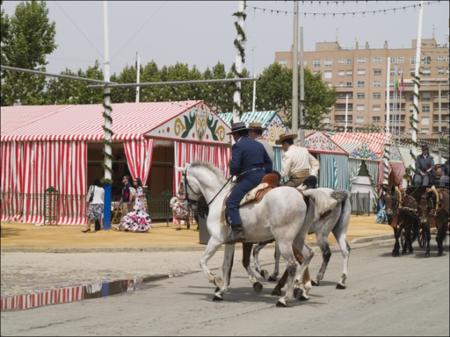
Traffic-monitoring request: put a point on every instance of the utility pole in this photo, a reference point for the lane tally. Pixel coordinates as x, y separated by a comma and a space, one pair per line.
138, 75
295, 72
254, 82
302, 92
439, 121
388, 93
346, 113
108, 123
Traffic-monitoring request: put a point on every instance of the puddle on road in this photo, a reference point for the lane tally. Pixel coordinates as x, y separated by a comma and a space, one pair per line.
75, 294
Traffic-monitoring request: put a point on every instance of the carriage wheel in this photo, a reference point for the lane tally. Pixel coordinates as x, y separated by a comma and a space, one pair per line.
421, 237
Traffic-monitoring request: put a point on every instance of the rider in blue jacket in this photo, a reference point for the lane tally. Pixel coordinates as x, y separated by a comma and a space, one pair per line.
249, 163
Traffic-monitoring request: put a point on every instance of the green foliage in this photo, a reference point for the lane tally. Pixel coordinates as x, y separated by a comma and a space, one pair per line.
29, 37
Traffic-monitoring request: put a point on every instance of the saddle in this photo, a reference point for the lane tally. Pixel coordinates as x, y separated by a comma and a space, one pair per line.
268, 182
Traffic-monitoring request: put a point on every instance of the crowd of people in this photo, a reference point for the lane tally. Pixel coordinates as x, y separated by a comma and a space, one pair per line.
133, 205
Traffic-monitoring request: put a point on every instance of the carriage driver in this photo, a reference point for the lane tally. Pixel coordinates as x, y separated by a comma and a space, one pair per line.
297, 163
424, 168
249, 163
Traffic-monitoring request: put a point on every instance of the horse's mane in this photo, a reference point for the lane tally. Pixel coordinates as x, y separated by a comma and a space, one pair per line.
209, 167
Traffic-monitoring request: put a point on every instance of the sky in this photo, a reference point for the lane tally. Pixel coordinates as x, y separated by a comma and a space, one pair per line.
201, 33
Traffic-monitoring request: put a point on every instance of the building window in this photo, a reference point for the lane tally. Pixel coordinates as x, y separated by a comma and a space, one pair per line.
426, 96
377, 84
345, 61
328, 63
426, 72
376, 108
341, 73
360, 84
413, 60
349, 73
425, 108
360, 119
361, 60
316, 63
376, 119
348, 84
328, 75
442, 71
442, 59
282, 62
361, 72
360, 107
377, 59
377, 72
426, 60
360, 95
424, 130
397, 60
376, 95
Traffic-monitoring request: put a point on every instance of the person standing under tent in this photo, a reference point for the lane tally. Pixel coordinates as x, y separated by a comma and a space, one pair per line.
95, 198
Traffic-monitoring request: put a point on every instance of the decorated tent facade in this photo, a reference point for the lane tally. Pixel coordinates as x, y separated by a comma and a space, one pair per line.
61, 147
333, 160
270, 120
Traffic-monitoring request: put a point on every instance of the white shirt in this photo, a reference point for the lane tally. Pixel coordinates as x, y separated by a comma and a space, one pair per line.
297, 158
99, 194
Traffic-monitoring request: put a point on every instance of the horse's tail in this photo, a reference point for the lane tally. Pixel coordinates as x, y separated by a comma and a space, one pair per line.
341, 225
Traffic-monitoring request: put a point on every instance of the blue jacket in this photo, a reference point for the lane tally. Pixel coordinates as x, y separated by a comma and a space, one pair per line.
247, 154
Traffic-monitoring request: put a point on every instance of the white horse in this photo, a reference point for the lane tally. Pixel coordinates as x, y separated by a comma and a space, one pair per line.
280, 215
335, 222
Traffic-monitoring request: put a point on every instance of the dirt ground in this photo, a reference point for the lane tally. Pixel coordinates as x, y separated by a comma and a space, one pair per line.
15, 236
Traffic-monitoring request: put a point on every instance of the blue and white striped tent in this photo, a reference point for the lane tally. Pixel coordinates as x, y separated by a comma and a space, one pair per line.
270, 120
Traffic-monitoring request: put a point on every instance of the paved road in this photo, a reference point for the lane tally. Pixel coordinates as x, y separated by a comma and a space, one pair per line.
408, 295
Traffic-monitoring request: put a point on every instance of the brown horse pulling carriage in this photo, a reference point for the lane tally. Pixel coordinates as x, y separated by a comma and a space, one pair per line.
413, 212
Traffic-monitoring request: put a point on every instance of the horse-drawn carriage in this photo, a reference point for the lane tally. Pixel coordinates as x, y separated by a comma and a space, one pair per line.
412, 213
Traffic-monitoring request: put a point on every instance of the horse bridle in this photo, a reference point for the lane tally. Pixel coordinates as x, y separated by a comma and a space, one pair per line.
192, 202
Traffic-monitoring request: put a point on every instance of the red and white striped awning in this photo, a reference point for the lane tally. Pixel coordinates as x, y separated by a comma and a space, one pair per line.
375, 140
84, 122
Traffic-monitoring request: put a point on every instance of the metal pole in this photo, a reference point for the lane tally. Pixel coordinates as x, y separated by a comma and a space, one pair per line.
149, 84
238, 64
295, 71
254, 83
346, 113
302, 92
138, 76
416, 80
439, 121
400, 114
388, 92
108, 124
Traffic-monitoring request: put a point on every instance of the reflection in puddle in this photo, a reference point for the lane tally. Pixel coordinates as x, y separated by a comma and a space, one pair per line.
74, 294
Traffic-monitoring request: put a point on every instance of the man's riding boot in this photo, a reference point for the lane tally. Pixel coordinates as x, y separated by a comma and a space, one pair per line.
236, 235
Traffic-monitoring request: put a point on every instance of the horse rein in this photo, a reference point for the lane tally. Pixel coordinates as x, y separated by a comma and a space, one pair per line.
194, 202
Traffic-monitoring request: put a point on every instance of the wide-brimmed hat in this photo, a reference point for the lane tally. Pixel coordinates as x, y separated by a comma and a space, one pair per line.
256, 126
237, 127
285, 137
424, 146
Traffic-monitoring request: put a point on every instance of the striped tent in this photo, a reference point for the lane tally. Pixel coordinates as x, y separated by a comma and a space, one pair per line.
43, 146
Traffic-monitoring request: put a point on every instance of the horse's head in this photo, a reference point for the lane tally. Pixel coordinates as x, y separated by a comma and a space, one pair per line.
391, 197
189, 189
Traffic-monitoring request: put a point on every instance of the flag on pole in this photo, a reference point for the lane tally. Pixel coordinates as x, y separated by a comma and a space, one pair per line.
396, 83
402, 84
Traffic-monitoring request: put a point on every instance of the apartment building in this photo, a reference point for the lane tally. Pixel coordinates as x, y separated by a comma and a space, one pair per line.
360, 75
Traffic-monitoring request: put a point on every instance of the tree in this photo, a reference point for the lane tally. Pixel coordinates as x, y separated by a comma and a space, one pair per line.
30, 38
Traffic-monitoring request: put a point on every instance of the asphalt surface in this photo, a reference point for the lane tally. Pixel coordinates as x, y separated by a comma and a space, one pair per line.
408, 295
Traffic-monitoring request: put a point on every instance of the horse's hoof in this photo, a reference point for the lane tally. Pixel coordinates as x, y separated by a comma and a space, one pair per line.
281, 303
276, 292
264, 274
272, 278
314, 283
217, 298
298, 292
340, 286
303, 297
257, 287
395, 254
217, 289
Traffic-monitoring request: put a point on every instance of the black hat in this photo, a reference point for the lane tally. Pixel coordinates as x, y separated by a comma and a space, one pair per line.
424, 146
237, 127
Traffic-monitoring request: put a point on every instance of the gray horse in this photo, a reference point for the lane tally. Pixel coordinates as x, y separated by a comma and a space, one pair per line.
281, 215
335, 222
